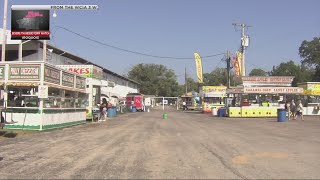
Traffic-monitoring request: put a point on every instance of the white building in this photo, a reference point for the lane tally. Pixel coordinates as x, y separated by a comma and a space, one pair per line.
118, 85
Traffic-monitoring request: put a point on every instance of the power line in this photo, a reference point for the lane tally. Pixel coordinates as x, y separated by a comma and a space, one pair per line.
130, 51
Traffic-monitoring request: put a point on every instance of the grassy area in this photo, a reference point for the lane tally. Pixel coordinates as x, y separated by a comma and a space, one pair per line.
11, 133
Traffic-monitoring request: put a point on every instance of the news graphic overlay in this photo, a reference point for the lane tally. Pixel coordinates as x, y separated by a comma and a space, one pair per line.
30, 24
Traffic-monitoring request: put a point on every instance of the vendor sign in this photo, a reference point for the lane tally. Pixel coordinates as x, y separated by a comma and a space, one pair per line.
67, 79
213, 91
24, 72
273, 90
88, 71
267, 80
51, 75
2, 68
80, 82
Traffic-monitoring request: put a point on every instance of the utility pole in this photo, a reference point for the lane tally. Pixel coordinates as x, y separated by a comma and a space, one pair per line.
228, 69
244, 44
185, 79
4, 38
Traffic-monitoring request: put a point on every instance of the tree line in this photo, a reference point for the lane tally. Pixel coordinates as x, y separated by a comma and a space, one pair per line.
157, 79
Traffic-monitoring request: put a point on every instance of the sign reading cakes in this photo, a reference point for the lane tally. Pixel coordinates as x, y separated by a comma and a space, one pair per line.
80, 82
51, 75
67, 79
2, 68
24, 72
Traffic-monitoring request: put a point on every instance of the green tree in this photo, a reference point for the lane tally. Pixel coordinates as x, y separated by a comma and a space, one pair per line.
258, 72
155, 79
300, 72
309, 51
192, 85
217, 77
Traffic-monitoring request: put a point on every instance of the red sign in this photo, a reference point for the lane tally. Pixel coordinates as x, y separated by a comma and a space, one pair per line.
80, 71
30, 33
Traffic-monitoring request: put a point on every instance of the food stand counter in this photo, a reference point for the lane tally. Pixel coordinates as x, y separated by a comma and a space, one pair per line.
40, 96
311, 97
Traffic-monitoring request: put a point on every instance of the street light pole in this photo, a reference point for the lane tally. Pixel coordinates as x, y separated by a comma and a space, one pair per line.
4, 38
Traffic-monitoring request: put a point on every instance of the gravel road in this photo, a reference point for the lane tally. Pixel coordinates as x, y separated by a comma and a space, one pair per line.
186, 145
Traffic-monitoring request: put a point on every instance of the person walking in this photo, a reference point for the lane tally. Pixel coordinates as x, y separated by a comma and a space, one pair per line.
287, 107
300, 110
184, 105
293, 109
103, 110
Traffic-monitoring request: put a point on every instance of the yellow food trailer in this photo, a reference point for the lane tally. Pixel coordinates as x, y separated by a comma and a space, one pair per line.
310, 97
212, 97
261, 96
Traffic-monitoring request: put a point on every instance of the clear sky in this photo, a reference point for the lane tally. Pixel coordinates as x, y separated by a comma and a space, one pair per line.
180, 27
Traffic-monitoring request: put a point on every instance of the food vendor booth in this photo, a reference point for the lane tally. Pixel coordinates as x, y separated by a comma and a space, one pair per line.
192, 100
261, 96
40, 96
94, 85
310, 97
212, 97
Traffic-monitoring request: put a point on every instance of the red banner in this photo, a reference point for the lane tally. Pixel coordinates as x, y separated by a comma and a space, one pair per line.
30, 33
236, 66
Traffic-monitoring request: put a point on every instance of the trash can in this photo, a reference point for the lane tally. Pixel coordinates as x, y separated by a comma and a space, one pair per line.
165, 116
282, 115
110, 112
114, 111
222, 112
214, 111
134, 109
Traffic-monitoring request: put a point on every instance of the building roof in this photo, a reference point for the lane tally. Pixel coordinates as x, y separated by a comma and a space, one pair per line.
84, 61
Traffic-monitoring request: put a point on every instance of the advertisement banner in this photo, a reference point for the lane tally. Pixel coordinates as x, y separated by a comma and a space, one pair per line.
267, 80
52, 75
88, 71
273, 90
199, 67
80, 82
24, 72
239, 61
236, 67
2, 72
67, 79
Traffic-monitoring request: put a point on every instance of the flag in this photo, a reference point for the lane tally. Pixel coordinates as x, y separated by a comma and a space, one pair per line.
199, 67
239, 61
236, 66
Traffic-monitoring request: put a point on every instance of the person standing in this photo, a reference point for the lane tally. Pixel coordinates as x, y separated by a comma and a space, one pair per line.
287, 107
184, 105
293, 109
300, 110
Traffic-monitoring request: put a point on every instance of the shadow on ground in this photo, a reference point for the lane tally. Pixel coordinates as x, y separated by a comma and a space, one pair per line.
8, 134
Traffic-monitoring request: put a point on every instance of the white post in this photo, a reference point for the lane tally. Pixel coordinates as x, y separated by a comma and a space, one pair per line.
4, 38
162, 103
44, 51
41, 100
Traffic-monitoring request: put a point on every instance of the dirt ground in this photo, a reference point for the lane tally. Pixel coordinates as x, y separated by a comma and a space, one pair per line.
186, 145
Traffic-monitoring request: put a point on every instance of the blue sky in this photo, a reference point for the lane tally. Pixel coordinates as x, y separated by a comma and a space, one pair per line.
180, 27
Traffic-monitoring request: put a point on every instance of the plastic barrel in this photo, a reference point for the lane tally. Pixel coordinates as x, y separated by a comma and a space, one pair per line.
222, 112
165, 116
109, 112
281, 115
114, 110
